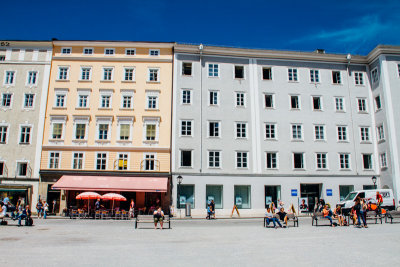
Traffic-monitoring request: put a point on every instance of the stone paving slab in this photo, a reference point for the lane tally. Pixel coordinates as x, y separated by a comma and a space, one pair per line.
221, 242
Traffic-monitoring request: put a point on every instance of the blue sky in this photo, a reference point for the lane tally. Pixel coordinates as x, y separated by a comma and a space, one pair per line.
338, 26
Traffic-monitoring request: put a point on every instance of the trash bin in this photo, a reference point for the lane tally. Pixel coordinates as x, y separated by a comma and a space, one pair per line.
188, 210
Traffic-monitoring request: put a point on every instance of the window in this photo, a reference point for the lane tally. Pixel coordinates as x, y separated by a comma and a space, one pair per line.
269, 100
80, 131
6, 100
186, 68
186, 158
297, 132
214, 159
319, 132
267, 73
186, 128
63, 73
242, 196
22, 168
213, 70
101, 161
294, 102
129, 74
2, 58
367, 161
77, 162
241, 130
54, 160
292, 75
28, 100
154, 52
66, 50
364, 133
342, 133
213, 98
126, 101
149, 162
25, 136
109, 51
186, 96
272, 158
214, 192
344, 161
124, 131
383, 160
362, 105
83, 101
336, 77
381, 133
130, 51
321, 161
32, 77
186, 195
3, 134
314, 76
88, 51
374, 75
152, 99
345, 190
57, 130
10, 77
239, 72
150, 132
298, 160
108, 74
103, 131
378, 104
358, 78
270, 131
2, 166
317, 103
339, 103
213, 129
105, 101
122, 162
398, 69
86, 73
154, 75
240, 99
60, 100
241, 159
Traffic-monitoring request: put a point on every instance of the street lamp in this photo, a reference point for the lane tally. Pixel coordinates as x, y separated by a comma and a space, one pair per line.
374, 181
178, 201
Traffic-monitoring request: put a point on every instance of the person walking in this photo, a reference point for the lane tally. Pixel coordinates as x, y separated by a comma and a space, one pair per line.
45, 209
360, 215
212, 208
54, 206
39, 208
132, 209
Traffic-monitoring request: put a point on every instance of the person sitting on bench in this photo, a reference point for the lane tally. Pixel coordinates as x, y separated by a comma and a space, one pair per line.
158, 217
26, 214
282, 215
327, 214
270, 217
3, 210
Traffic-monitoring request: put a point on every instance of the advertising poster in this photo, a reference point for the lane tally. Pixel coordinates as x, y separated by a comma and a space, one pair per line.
303, 204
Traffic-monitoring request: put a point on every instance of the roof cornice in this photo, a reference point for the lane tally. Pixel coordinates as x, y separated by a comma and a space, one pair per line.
383, 49
114, 44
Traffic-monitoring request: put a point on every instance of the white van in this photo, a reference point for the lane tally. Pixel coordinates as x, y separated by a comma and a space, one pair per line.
387, 196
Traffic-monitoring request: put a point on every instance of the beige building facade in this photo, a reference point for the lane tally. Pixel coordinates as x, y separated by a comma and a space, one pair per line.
108, 115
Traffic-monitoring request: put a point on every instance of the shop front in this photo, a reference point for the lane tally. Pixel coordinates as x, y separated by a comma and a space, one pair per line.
147, 192
16, 192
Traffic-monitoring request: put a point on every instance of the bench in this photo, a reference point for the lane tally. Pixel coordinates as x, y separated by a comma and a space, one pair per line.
293, 218
318, 216
150, 219
372, 215
392, 215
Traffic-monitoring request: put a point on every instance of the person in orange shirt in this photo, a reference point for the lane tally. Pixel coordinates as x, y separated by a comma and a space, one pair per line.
327, 214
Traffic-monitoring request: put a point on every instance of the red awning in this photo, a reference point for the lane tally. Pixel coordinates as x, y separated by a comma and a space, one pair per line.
112, 183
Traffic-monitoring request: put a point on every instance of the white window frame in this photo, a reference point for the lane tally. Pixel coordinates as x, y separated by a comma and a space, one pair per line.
272, 100
147, 156
30, 133
104, 72
375, 75
298, 102
303, 161
57, 120
60, 92
213, 157
262, 73
90, 73
88, 48
320, 103
133, 69
28, 76
149, 75
371, 157
383, 160
18, 162
7, 133
365, 132
376, 104
219, 129
380, 130
234, 72
81, 120
109, 49
155, 52
182, 64
181, 128
275, 127
103, 93
122, 120
209, 98
314, 74
127, 93
365, 105
59, 73
83, 92
323, 132
11, 100
297, 133
214, 67
340, 77
245, 130
180, 158
246, 153
340, 133
58, 160
276, 160
66, 51
103, 120
348, 161
123, 154
343, 104
190, 96
152, 94
151, 121
359, 78
323, 161
24, 101
236, 99
14, 77
293, 75
130, 49
97, 157
73, 158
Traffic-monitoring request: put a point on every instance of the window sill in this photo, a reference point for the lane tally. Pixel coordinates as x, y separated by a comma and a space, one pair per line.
269, 108
266, 80
322, 170
104, 108
320, 140
150, 142
78, 108
62, 80
384, 168
345, 170
126, 109
28, 109
24, 144
337, 84
60, 108
298, 140
270, 139
293, 81
124, 81
365, 142
153, 82
343, 141
152, 109
363, 112
103, 141
368, 170
186, 167
56, 140
272, 169
301, 170
106, 81
239, 79
124, 141
185, 136
84, 81
187, 75
295, 109
79, 141
318, 110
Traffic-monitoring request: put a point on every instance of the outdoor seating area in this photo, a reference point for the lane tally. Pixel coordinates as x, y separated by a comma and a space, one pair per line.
99, 214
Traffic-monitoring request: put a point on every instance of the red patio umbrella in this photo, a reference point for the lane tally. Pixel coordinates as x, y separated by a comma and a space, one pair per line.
113, 197
88, 196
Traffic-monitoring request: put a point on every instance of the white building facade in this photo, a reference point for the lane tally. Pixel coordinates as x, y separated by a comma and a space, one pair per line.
255, 126
24, 78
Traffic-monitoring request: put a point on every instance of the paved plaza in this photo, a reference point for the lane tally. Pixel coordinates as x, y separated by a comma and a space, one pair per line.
221, 242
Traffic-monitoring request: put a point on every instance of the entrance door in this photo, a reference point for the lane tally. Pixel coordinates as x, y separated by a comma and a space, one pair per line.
312, 192
52, 195
272, 194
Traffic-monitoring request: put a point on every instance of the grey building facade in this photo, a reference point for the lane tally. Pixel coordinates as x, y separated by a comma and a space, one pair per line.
255, 126
24, 77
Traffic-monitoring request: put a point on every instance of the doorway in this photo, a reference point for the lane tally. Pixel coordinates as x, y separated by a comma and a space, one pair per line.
272, 194
312, 192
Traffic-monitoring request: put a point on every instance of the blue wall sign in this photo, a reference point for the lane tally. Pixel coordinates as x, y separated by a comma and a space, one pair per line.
294, 192
329, 192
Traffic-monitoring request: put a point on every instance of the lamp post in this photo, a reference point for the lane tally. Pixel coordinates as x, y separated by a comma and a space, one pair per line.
178, 201
374, 181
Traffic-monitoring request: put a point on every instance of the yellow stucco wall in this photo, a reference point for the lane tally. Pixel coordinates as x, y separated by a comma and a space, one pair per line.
136, 147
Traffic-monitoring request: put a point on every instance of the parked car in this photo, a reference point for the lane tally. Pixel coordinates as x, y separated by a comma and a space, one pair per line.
370, 195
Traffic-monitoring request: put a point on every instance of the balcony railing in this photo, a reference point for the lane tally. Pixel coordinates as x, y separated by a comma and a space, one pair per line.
150, 165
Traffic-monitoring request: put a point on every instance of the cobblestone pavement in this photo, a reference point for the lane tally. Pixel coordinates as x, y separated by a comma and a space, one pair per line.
221, 242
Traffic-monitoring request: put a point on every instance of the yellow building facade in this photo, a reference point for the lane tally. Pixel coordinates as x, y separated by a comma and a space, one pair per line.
108, 115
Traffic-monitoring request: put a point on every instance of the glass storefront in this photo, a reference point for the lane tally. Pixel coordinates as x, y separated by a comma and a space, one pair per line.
214, 192
186, 195
243, 196
272, 194
344, 190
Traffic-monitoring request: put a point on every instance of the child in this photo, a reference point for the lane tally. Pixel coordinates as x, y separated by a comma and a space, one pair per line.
209, 213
